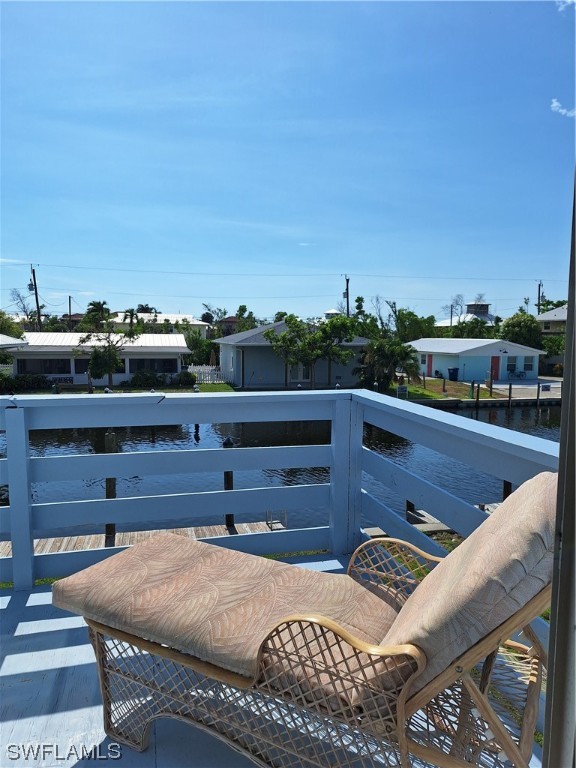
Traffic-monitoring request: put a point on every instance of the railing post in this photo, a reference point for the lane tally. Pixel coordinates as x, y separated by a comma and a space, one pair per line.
110, 446
345, 485
228, 485
18, 463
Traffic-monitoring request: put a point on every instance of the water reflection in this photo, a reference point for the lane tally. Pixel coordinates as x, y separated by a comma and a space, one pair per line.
456, 477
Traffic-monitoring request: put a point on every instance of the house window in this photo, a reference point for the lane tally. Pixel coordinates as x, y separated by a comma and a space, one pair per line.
511, 365
155, 364
546, 326
81, 364
423, 359
300, 372
44, 366
528, 363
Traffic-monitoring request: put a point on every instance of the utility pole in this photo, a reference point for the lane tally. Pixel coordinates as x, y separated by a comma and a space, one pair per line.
540, 286
34, 286
346, 295
69, 313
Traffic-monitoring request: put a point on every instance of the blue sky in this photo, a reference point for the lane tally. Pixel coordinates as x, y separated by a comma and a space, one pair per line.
256, 152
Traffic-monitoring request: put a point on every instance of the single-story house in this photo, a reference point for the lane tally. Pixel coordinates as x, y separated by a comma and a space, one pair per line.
473, 359
60, 357
175, 322
251, 363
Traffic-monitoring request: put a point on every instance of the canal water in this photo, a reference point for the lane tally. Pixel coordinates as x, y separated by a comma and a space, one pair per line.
458, 478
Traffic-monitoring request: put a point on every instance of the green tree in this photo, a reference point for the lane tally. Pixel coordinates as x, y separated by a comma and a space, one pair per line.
131, 315
409, 326
146, 309
9, 327
97, 314
245, 319
217, 314
522, 328
200, 348
52, 323
554, 345
105, 357
306, 343
472, 329
382, 357
546, 305
367, 324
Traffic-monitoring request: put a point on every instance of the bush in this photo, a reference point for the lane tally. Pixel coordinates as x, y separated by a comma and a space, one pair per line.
24, 382
146, 380
184, 379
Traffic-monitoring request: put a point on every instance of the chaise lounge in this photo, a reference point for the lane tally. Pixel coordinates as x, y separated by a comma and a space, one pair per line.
407, 659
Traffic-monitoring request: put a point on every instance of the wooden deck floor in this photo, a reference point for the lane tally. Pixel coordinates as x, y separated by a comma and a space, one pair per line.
124, 539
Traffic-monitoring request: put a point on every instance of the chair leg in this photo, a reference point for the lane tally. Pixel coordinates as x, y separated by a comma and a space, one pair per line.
501, 734
124, 720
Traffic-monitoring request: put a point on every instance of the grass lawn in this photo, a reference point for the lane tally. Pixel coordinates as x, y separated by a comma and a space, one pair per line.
434, 390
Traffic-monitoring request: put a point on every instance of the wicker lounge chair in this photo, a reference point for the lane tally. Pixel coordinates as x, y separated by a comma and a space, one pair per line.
405, 660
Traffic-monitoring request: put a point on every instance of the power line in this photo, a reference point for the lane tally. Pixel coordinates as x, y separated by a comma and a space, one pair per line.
296, 274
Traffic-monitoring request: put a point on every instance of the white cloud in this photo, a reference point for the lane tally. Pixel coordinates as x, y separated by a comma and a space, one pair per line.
555, 106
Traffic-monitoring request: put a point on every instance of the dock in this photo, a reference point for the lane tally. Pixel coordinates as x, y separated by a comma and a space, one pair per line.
128, 538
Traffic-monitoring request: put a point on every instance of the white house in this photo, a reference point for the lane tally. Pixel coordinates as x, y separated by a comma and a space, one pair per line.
473, 359
61, 358
249, 361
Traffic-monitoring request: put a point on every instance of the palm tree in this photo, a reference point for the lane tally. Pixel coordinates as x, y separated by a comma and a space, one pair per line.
132, 316
382, 357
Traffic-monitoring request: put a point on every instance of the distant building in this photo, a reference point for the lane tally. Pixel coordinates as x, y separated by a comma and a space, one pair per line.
474, 311
553, 323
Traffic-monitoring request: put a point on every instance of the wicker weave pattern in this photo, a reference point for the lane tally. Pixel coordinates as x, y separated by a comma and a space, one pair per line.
390, 568
274, 731
277, 724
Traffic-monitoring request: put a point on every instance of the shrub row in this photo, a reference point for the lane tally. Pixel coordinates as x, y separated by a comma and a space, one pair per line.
141, 380
24, 382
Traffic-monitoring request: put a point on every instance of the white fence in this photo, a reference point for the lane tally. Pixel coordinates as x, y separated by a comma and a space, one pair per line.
210, 374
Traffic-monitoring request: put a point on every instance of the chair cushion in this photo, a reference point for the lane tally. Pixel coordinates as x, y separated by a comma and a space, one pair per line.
214, 603
484, 581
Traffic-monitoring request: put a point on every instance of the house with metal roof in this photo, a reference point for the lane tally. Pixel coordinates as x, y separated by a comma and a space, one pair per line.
64, 360
474, 359
251, 363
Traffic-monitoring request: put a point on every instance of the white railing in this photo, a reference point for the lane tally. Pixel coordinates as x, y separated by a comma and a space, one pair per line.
507, 455
210, 374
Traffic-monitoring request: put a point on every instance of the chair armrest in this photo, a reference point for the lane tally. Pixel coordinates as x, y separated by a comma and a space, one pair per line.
311, 659
385, 564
